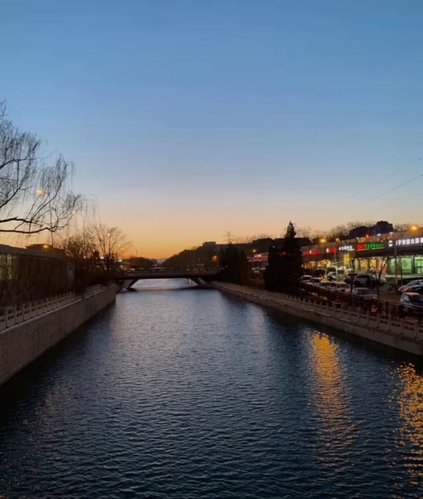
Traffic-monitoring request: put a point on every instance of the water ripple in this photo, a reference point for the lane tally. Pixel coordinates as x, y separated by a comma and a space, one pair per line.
189, 394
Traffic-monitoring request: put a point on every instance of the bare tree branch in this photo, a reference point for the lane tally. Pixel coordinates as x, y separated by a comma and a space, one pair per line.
35, 196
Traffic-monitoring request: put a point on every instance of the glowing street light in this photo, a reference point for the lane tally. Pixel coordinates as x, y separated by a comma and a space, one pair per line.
413, 228
322, 240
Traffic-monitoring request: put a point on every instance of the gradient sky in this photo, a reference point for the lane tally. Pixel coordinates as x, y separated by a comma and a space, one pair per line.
189, 118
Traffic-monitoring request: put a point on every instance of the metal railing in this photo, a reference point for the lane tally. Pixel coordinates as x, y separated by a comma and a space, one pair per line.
379, 322
12, 316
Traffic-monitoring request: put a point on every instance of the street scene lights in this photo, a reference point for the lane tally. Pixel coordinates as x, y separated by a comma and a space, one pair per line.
414, 228
322, 240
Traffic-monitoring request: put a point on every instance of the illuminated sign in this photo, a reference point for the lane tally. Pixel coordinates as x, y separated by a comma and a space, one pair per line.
331, 249
260, 257
346, 248
311, 252
407, 242
370, 246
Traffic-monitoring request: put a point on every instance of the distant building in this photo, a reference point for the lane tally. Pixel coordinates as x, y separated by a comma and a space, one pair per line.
210, 245
361, 231
45, 248
381, 227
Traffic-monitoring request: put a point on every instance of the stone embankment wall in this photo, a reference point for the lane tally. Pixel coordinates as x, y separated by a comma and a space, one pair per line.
27, 333
399, 334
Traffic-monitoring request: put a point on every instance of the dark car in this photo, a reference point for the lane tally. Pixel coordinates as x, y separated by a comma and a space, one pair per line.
410, 286
363, 294
412, 303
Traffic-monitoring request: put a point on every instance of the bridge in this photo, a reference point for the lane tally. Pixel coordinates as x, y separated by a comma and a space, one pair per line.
200, 277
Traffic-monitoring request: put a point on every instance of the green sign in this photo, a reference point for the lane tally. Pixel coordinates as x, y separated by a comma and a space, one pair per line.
370, 246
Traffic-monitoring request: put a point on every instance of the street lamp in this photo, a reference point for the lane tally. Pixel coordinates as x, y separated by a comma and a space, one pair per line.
322, 240
414, 228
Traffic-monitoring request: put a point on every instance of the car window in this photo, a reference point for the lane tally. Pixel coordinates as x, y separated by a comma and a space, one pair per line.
416, 299
406, 299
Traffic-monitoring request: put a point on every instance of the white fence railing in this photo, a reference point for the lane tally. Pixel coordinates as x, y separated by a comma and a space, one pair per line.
11, 316
379, 322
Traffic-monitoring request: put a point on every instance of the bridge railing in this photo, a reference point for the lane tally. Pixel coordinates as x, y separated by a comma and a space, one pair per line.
400, 327
11, 316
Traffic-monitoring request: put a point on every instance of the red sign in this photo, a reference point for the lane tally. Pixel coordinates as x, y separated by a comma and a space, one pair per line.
331, 249
311, 252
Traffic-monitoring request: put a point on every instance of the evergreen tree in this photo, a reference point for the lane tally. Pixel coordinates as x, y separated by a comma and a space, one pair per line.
274, 269
292, 261
234, 265
284, 266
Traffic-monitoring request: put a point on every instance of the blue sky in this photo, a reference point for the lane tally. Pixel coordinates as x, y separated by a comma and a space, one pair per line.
189, 118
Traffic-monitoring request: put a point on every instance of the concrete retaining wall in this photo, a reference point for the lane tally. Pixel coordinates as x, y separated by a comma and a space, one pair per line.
401, 335
22, 344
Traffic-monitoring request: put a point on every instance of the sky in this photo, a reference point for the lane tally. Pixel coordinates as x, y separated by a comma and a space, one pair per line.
190, 118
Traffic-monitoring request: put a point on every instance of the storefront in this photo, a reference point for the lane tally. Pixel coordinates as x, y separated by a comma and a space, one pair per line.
395, 254
407, 253
320, 258
258, 261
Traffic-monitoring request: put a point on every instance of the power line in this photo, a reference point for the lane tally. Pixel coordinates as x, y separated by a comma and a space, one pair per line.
392, 190
401, 169
394, 172
405, 198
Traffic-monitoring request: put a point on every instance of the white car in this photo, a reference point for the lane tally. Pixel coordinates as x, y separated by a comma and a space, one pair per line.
367, 279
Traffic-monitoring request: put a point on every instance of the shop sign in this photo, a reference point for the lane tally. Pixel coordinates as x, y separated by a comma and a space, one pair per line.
331, 249
407, 242
350, 247
369, 246
311, 252
260, 257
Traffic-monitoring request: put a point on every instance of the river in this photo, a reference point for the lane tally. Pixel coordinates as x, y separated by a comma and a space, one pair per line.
177, 392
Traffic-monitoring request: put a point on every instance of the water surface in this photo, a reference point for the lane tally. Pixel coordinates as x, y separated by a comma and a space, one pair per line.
187, 393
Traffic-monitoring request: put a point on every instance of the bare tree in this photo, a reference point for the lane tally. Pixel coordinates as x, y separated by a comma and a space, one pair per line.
243, 239
35, 195
304, 231
401, 227
81, 251
111, 243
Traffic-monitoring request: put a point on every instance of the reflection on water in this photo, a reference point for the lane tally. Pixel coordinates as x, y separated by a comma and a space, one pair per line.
410, 401
188, 393
329, 395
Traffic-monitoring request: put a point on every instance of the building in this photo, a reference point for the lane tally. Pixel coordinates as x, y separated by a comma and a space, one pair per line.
399, 253
380, 228
31, 274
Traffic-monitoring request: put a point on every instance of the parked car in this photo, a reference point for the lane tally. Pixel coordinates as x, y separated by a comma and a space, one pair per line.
406, 287
314, 282
365, 280
412, 303
363, 293
342, 287
332, 276
327, 284
415, 289
306, 278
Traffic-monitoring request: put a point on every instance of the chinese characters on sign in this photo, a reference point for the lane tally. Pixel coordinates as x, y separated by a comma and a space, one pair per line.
406, 242
369, 246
